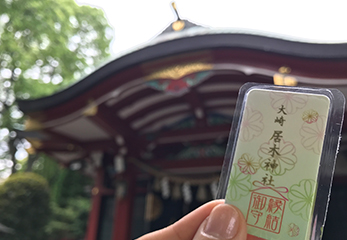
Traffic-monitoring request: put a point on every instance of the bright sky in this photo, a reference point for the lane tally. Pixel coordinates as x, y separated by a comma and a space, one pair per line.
137, 21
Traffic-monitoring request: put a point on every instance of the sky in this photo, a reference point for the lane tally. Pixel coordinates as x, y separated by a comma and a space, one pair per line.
136, 22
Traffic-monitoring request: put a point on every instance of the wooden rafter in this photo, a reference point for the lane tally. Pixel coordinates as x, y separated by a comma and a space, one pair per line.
196, 106
132, 98
102, 145
166, 116
58, 137
195, 134
142, 112
111, 122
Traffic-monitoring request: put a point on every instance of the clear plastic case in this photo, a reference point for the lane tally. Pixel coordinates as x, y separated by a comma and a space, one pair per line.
280, 159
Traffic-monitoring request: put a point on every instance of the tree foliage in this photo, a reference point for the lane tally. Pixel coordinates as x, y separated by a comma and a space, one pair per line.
24, 206
70, 202
45, 45
48, 41
70, 221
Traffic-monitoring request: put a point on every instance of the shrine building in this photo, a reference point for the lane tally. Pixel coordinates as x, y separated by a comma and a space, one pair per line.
151, 126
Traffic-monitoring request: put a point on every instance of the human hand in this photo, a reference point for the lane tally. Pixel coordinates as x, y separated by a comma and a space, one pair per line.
214, 220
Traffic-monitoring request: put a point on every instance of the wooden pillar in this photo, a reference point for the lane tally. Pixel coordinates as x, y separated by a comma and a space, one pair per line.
94, 215
123, 207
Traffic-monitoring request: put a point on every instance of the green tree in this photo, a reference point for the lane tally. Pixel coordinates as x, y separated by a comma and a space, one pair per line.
70, 221
45, 45
70, 202
24, 206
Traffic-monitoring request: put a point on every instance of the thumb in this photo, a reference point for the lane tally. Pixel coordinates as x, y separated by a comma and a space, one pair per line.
225, 222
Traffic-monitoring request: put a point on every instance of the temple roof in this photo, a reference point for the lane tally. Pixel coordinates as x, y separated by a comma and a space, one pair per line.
176, 92
331, 57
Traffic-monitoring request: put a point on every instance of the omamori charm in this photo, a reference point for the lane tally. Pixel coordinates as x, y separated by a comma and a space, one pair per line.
280, 144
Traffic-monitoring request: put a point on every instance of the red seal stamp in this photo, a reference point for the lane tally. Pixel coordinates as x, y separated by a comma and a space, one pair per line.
265, 211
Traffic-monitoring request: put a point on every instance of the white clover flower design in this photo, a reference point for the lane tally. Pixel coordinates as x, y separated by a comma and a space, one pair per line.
277, 158
290, 102
312, 135
301, 198
252, 124
239, 185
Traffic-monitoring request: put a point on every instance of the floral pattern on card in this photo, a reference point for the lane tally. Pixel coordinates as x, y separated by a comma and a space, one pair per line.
247, 164
293, 230
291, 102
301, 197
312, 134
252, 124
310, 116
277, 158
280, 132
239, 184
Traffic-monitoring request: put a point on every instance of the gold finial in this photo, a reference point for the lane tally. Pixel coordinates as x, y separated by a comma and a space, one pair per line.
178, 25
173, 4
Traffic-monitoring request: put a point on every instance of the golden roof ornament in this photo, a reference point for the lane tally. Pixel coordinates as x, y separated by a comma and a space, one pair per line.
178, 25
176, 72
282, 78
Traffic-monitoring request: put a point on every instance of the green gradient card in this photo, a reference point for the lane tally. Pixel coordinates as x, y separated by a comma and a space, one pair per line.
273, 179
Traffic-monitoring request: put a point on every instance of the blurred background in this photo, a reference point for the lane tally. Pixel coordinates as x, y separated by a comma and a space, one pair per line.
115, 115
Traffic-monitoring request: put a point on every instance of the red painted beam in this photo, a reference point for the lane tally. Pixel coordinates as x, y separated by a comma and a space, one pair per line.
194, 134
230, 76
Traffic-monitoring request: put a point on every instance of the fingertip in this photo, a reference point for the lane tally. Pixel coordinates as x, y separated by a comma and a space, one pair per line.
242, 232
226, 222
223, 222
